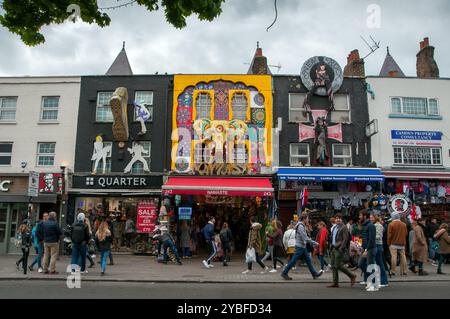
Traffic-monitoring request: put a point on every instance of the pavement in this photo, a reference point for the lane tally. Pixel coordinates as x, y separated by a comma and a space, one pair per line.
181, 293
141, 269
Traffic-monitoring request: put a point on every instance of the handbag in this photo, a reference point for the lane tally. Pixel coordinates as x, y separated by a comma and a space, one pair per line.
250, 255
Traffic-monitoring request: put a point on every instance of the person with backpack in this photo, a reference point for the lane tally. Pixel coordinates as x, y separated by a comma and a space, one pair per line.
37, 247
208, 233
24, 242
225, 238
80, 238
340, 245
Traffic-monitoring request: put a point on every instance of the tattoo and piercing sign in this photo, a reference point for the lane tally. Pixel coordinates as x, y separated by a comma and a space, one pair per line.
75, 11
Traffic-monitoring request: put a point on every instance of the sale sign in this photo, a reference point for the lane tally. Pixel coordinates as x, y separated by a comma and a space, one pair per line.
146, 217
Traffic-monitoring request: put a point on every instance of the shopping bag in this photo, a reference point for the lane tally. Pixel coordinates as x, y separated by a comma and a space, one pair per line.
250, 255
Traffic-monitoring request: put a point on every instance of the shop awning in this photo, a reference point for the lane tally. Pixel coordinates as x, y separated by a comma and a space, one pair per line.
226, 186
404, 174
330, 174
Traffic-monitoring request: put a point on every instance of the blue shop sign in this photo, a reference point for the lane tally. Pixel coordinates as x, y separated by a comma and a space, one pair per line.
416, 135
184, 213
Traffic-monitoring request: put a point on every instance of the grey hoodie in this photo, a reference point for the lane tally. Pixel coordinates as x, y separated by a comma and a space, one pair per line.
301, 237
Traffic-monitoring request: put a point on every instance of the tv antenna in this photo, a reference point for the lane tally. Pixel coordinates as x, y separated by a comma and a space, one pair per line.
271, 65
372, 47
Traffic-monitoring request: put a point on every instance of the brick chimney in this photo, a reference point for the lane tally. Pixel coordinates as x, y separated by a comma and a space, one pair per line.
426, 66
355, 65
259, 63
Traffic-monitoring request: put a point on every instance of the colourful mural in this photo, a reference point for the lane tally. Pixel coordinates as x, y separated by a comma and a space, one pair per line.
222, 124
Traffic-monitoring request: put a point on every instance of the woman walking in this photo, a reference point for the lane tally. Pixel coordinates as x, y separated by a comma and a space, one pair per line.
254, 241
103, 240
442, 237
25, 244
276, 236
379, 229
289, 241
420, 249
322, 239
185, 239
38, 247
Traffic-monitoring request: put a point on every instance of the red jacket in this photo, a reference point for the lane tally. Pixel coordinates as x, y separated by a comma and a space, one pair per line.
322, 239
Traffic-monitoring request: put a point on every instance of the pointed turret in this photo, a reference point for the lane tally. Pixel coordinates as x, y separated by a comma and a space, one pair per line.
259, 63
390, 68
120, 66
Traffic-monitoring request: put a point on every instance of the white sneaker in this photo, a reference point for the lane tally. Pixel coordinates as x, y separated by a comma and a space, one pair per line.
84, 272
205, 264
362, 283
434, 264
246, 272
293, 268
40, 270
211, 266
372, 288
383, 286
266, 269
273, 270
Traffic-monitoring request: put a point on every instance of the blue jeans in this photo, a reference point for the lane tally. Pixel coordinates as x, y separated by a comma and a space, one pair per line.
441, 261
38, 259
104, 254
186, 252
368, 260
380, 263
322, 261
299, 252
79, 252
169, 244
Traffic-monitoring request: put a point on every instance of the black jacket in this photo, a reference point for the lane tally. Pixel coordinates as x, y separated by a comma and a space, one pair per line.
369, 235
51, 231
104, 244
87, 236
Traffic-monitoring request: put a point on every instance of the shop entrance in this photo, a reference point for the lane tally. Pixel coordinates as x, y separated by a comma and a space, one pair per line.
11, 216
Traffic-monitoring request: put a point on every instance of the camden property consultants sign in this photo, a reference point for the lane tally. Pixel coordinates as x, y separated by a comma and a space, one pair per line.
416, 138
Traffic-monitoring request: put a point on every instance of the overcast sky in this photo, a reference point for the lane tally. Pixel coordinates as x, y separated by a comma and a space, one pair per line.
304, 28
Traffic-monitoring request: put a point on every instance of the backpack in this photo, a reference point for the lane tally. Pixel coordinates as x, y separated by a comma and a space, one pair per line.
78, 233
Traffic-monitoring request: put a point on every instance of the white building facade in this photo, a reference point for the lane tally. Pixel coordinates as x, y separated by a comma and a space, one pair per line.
38, 121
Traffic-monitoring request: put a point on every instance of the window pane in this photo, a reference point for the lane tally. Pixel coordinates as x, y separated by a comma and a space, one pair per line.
5, 160
46, 148
203, 106
7, 115
300, 149
436, 156
6, 147
50, 102
398, 155
49, 115
8, 102
396, 105
144, 97
433, 107
104, 98
341, 150
45, 160
414, 106
104, 114
341, 102
239, 106
340, 116
296, 100
298, 116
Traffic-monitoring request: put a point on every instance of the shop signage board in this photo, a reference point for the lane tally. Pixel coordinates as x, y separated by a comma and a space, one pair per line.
33, 184
416, 138
184, 213
116, 181
146, 217
4, 185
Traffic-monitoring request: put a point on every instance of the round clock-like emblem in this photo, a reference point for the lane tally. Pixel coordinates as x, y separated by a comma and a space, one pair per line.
181, 165
400, 204
318, 68
259, 99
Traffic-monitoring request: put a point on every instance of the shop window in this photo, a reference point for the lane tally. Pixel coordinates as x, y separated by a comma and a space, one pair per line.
203, 106
411, 155
299, 154
239, 106
240, 155
414, 106
296, 111
145, 98
46, 154
49, 108
8, 109
108, 159
138, 167
103, 111
5, 153
341, 112
342, 154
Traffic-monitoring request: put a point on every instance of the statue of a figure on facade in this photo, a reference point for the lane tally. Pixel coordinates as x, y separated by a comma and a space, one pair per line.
322, 80
320, 141
136, 151
100, 153
142, 115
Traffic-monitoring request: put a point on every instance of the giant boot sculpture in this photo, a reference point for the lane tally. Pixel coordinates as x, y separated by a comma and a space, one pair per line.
119, 101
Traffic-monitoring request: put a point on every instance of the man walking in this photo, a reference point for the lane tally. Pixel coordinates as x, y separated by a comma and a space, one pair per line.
369, 246
397, 232
340, 245
208, 232
51, 234
301, 239
80, 238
